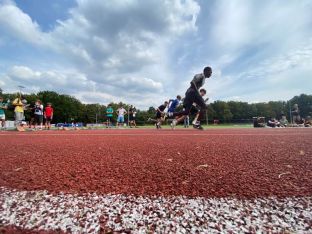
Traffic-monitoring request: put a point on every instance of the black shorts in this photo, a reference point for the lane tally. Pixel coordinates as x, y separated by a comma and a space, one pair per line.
38, 119
48, 118
192, 96
194, 110
158, 115
131, 118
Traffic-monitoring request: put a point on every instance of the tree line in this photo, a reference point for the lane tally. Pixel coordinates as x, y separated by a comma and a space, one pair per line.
68, 108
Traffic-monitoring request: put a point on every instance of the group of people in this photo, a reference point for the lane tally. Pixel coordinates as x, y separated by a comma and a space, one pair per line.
121, 112
296, 120
193, 104
39, 114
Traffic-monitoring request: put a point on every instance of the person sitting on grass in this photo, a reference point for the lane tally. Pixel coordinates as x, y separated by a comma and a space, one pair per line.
308, 122
258, 122
273, 123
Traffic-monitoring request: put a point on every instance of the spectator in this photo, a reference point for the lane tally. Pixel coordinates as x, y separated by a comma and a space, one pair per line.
259, 122
121, 116
19, 104
3, 106
308, 122
48, 115
109, 115
38, 113
132, 115
295, 114
273, 123
284, 121
187, 121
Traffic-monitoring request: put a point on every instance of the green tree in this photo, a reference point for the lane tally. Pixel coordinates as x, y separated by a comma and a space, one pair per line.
223, 112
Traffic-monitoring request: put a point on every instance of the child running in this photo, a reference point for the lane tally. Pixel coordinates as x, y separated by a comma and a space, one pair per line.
192, 95
48, 115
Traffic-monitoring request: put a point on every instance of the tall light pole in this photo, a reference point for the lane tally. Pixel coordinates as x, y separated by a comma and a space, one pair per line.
290, 115
128, 115
20, 87
206, 101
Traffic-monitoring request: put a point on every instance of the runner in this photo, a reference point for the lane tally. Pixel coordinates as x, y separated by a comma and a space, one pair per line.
192, 95
173, 104
160, 115
194, 110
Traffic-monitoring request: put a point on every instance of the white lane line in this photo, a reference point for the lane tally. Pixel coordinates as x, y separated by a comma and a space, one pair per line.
156, 134
175, 214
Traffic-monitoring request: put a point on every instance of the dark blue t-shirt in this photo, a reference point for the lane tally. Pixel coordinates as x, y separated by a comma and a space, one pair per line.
173, 105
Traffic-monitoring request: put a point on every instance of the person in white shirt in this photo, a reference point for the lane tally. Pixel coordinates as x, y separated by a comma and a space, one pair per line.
38, 113
121, 116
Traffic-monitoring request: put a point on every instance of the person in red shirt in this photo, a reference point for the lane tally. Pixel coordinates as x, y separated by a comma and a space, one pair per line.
48, 115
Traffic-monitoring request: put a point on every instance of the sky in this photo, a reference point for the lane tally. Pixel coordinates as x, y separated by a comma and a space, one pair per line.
145, 52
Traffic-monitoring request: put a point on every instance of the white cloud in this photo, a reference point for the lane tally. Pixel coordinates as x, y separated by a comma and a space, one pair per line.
34, 81
117, 45
140, 51
19, 24
276, 78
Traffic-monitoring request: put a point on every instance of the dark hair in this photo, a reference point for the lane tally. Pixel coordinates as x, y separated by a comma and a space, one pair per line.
203, 90
179, 97
207, 71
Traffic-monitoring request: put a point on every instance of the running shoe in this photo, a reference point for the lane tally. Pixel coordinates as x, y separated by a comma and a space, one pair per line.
198, 127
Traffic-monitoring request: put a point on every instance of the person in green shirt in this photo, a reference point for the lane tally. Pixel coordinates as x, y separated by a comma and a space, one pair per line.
3, 106
109, 115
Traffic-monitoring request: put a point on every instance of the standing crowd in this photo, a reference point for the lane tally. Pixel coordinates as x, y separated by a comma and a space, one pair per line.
40, 116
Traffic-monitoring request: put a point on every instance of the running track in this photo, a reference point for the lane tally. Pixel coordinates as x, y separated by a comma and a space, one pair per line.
242, 164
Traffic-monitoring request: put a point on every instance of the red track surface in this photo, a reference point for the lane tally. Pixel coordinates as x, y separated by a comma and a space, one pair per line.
241, 163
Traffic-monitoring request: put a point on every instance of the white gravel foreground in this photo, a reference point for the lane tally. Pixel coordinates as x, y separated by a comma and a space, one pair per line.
92, 213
